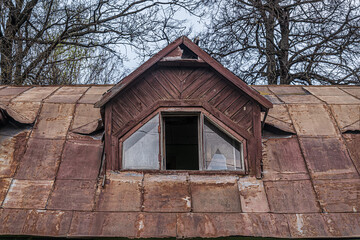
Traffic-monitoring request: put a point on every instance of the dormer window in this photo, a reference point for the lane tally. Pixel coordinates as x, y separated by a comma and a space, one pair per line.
182, 141
182, 110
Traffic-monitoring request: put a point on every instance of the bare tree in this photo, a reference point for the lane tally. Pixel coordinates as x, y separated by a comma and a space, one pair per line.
67, 41
287, 41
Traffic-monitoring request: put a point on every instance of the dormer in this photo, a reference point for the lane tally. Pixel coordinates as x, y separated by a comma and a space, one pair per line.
183, 111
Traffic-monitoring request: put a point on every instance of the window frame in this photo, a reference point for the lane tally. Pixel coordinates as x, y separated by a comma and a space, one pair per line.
188, 111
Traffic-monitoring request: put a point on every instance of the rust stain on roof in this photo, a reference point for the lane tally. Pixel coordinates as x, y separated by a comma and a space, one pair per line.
87, 119
72, 195
54, 121
35, 94
299, 99
12, 148
4, 187
121, 192
352, 142
47, 223
67, 95
168, 193
327, 158
352, 90
252, 195
50, 183
312, 120
27, 194
339, 195
94, 94
283, 160
347, 117
8, 93
77, 165
215, 194
291, 196
308, 226
41, 159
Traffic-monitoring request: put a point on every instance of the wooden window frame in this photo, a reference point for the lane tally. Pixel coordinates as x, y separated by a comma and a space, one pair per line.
189, 111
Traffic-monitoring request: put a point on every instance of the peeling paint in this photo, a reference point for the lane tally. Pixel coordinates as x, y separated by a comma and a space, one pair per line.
299, 223
188, 202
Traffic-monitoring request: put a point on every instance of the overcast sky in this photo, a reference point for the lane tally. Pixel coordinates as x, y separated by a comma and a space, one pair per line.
192, 21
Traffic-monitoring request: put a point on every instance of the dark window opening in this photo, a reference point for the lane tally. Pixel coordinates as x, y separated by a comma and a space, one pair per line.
187, 53
352, 132
270, 131
181, 143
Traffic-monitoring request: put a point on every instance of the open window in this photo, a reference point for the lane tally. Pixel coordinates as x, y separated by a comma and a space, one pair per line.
181, 141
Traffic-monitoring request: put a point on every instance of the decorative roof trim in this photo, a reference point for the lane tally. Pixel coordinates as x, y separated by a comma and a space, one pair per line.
201, 54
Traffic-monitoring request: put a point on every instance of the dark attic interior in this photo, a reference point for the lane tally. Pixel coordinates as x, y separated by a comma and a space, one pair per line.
180, 148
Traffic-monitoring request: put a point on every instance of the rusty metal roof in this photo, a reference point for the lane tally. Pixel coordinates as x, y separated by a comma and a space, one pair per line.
51, 179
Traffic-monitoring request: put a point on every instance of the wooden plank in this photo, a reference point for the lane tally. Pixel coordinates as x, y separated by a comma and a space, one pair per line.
157, 87
202, 55
141, 104
151, 90
242, 112
227, 73
220, 96
132, 101
122, 114
256, 123
206, 87
127, 106
246, 121
192, 77
182, 72
202, 80
235, 106
219, 86
227, 121
170, 76
135, 74
173, 91
251, 146
114, 153
143, 94
116, 125
233, 96
108, 131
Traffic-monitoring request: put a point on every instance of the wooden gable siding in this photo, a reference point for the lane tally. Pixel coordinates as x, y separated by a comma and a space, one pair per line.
163, 86
170, 83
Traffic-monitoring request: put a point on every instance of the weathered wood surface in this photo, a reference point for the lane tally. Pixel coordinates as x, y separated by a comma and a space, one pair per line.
170, 83
186, 87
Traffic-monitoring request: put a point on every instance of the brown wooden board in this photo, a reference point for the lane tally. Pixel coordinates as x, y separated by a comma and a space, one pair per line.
184, 41
185, 87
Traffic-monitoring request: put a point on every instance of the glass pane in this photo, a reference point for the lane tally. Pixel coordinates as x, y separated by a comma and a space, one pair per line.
221, 151
141, 149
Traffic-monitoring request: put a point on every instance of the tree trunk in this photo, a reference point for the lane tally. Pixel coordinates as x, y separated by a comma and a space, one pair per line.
284, 46
5, 63
270, 48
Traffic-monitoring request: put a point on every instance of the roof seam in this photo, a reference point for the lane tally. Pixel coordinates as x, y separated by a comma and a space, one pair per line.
306, 164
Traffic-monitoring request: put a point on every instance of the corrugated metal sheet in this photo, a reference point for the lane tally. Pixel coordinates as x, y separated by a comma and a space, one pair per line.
67, 95
27, 194
121, 192
54, 121
327, 158
50, 183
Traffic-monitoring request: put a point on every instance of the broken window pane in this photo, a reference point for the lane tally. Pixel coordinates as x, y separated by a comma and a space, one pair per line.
141, 149
221, 151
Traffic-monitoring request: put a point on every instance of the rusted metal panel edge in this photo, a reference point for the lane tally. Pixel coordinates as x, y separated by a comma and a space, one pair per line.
181, 225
